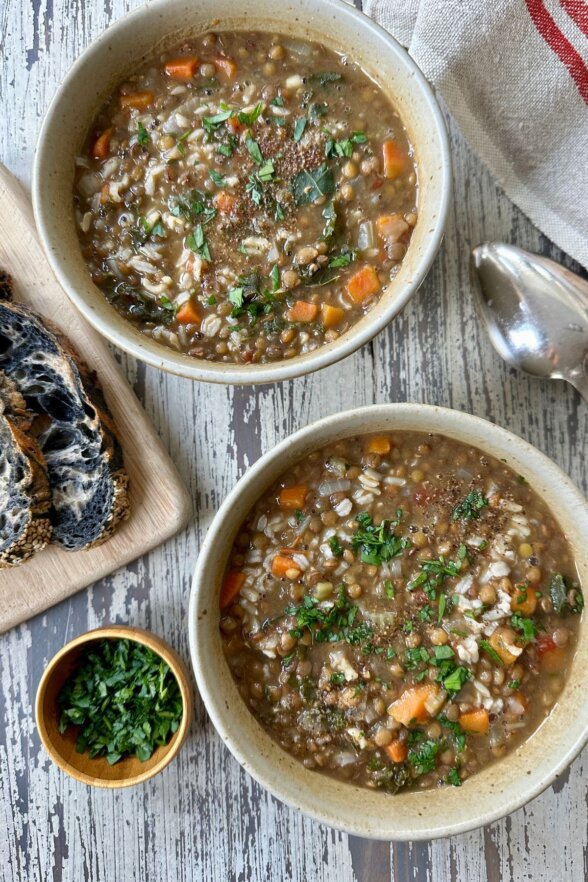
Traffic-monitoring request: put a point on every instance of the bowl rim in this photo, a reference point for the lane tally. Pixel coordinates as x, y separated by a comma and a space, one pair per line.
203, 662
177, 668
199, 369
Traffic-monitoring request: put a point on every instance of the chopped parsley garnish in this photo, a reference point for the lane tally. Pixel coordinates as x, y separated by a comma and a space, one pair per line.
142, 134
299, 515
278, 101
249, 118
124, 698
195, 204
560, 590
216, 177
329, 623
454, 681
310, 184
423, 756
344, 259
325, 77
248, 298
337, 679
434, 572
196, 241
389, 589
344, 148
299, 127
414, 657
453, 778
377, 544
335, 546
487, 647
459, 736
275, 278
469, 508
227, 149
210, 123
527, 627
513, 684
254, 150
211, 301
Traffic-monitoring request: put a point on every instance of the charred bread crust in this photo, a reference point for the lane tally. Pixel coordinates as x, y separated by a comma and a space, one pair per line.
25, 499
76, 433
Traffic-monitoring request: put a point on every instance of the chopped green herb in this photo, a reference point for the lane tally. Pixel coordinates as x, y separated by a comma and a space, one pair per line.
442, 607
212, 301
210, 123
389, 589
323, 78
469, 508
423, 756
521, 479
487, 647
299, 127
377, 544
527, 627
453, 778
414, 657
329, 213
390, 653
310, 184
142, 134
513, 684
330, 623
335, 546
560, 592
249, 118
299, 515
124, 698
337, 679
344, 259
454, 681
275, 278
196, 241
278, 101
254, 150
459, 736
217, 178
278, 212
317, 110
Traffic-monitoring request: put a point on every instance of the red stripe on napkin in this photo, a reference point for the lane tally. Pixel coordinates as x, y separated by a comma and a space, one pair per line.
560, 44
578, 12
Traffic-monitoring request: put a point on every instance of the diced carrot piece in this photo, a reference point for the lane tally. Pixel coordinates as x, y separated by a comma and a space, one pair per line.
395, 159
379, 444
302, 311
410, 707
475, 722
521, 698
227, 65
105, 193
363, 284
101, 146
293, 497
524, 600
187, 314
137, 100
232, 584
181, 68
331, 315
391, 227
225, 202
236, 126
282, 565
554, 660
498, 644
397, 751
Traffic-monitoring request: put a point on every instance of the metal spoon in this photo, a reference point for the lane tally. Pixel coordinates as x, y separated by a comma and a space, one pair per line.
536, 312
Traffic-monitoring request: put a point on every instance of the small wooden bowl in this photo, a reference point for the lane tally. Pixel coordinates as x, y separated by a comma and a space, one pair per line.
62, 748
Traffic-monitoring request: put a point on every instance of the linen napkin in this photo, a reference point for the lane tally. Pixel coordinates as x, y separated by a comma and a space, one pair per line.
514, 74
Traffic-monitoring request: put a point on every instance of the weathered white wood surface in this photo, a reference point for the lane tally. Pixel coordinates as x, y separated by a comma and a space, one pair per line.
204, 819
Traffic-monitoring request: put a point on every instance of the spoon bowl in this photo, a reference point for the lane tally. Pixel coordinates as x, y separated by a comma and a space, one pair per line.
535, 310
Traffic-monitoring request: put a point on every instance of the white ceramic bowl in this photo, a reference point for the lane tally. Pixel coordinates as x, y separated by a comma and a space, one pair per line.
495, 791
162, 23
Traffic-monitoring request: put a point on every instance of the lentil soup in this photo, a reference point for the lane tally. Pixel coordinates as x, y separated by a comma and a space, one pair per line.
246, 198
400, 610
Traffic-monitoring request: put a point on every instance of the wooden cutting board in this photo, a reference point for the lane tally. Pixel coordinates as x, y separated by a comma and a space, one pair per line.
160, 505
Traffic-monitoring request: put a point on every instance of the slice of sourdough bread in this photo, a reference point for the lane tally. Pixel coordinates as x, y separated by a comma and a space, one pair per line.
25, 500
75, 430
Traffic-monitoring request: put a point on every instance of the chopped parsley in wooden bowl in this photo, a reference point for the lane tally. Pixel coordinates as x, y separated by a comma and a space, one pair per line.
114, 706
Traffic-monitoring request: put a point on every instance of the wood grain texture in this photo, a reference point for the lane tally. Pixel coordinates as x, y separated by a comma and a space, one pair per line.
159, 503
203, 819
